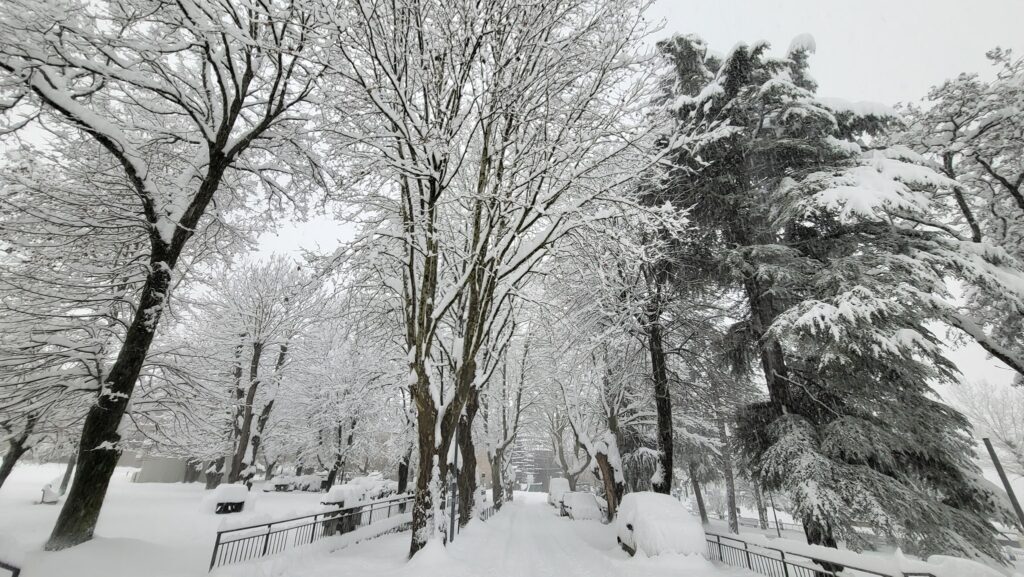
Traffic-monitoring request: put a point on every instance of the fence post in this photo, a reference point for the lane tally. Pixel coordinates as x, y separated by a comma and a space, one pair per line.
785, 567
266, 541
747, 551
718, 538
216, 546
312, 533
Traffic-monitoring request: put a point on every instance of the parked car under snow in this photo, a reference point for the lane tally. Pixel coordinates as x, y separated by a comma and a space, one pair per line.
655, 523
556, 487
578, 505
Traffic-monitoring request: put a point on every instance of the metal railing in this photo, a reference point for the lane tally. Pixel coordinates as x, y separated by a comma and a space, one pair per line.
254, 541
756, 523
14, 571
779, 562
487, 512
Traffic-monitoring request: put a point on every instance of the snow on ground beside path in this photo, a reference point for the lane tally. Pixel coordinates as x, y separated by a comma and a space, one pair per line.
526, 538
144, 530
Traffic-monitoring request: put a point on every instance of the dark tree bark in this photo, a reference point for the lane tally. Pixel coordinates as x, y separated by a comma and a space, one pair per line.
612, 489
762, 510
66, 479
403, 471
213, 479
16, 447
730, 480
239, 463
697, 495
662, 398
467, 464
497, 478
338, 465
98, 452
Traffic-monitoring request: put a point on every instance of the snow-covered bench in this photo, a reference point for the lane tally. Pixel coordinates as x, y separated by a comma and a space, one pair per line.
229, 498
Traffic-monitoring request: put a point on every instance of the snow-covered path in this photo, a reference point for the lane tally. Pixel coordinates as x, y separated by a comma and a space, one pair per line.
526, 539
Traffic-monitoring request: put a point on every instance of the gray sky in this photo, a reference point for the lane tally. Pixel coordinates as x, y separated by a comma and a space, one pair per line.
879, 50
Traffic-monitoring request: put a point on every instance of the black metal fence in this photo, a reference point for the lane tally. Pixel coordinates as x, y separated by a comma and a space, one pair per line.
756, 524
778, 562
487, 512
254, 541
14, 571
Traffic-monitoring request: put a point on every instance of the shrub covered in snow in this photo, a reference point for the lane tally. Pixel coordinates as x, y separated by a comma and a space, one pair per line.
361, 490
556, 487
655, 523
581, 506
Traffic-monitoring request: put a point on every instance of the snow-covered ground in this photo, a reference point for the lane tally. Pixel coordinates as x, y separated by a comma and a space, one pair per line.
144, 530
161, 530
526, 539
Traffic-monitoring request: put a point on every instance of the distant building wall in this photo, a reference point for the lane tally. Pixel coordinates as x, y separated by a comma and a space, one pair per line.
157, 469
162, 470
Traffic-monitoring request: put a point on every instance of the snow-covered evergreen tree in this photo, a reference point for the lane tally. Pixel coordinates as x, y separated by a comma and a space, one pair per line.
824, 240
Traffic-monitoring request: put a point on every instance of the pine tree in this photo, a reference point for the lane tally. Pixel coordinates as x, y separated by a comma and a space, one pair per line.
824, 242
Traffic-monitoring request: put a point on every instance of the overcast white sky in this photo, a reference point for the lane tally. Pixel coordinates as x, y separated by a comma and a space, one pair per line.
880, 50
876, 50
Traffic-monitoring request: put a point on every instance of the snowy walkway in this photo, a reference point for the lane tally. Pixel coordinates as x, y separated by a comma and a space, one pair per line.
526, 539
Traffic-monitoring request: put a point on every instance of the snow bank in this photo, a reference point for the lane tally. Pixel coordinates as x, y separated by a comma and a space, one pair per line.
656, 524
556, 487
582, 506
936, 565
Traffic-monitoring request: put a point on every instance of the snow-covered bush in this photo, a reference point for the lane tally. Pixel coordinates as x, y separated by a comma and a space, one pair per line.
361, 490
655, 523
556, 487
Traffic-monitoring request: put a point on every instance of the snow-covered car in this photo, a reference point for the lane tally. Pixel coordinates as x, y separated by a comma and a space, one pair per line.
578, 505
556, 487
656, 523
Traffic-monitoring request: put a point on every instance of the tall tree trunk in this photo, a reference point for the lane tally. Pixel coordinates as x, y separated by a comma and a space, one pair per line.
432, 467
819, 533
16, 447
332, 474
762, 510
612, 489
403, 471
339, 455
98, 451
467, 465
773, 363
662, 400
243, 458
730, 480
215, 472
697, 495
497, 480
66, 479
